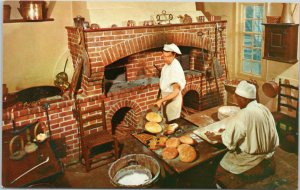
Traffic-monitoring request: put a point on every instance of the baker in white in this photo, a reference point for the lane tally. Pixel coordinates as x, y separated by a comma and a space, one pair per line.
250, 136
172, 82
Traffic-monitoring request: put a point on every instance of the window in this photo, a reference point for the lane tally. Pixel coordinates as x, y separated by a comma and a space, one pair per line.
252, 38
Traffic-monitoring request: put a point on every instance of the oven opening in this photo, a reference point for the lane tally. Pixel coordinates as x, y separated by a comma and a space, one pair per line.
192, 100
122, 122
115, 73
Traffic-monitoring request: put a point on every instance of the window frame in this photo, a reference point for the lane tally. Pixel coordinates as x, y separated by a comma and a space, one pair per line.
240, 49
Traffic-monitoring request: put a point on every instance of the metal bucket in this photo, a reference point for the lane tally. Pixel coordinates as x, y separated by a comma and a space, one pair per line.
134, 164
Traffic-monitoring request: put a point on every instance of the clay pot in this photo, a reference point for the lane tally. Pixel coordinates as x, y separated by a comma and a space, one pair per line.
270, 88
130, 23
6, 13
94, 26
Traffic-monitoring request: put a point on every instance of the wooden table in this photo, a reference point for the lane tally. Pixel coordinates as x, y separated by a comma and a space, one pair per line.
11, 169
204, 118
205, 151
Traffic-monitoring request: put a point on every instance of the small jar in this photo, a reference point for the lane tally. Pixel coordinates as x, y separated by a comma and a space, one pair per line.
130, 23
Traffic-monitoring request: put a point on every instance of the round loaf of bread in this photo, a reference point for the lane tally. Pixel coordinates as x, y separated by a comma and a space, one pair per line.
154, 117
153, 127
186, 139
169, 153
173, 142
179, 148
187, 153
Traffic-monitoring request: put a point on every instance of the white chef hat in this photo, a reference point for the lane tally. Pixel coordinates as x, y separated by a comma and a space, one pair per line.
172, 47
246, 90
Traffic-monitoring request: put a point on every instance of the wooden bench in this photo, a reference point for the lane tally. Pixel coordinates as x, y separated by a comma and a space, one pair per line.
285, 177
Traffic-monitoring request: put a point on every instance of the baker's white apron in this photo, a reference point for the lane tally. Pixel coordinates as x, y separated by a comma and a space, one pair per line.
173, 107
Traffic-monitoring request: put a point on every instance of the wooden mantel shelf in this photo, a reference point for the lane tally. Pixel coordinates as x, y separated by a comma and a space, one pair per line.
29, 21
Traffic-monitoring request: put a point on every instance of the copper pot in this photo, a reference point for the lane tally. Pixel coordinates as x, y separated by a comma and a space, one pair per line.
6, 13
270, 88
33, 10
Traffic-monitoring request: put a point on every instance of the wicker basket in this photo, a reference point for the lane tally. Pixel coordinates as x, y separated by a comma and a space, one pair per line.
273, 19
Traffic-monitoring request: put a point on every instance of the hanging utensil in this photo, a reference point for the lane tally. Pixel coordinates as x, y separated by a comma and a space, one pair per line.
224, 51
61, 80
159, 90
270, 88
217, 70
216, 64
46, 107
63, 74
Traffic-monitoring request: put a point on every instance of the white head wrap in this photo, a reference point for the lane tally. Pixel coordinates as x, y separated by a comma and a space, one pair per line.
172, 48
246, 90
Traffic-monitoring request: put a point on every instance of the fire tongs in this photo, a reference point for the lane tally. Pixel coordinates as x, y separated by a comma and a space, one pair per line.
44, 162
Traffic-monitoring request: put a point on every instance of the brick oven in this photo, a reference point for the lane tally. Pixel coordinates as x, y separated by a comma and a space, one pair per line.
122, 68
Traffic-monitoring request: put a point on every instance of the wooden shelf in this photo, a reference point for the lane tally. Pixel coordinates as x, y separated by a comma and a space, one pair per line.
22, 20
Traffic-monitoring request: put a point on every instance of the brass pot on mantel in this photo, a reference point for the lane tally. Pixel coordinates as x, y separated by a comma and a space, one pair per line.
33, 10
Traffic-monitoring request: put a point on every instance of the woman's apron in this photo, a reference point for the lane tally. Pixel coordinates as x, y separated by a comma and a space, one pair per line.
173, 107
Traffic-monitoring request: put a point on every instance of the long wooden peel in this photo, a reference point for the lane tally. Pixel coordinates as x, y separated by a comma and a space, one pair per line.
44, 162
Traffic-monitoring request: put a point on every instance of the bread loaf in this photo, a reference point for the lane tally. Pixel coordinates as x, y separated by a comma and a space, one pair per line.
173, 142
153, 127
169, 153
187, 153
186, 139
154, 117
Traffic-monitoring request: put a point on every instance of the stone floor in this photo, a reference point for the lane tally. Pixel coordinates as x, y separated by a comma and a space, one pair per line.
200, 177
75, 175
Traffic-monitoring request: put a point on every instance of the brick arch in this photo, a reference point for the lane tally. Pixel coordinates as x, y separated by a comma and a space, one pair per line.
185, 39
132, 46
189, 87
120, 104
146, 42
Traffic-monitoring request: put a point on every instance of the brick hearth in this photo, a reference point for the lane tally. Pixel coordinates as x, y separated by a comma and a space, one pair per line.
129, 99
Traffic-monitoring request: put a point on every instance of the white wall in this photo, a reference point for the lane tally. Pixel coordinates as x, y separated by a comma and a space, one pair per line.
107, 13
34, 52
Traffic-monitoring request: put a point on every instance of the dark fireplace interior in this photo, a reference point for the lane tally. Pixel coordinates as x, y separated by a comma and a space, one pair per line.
115, 73
184, 58
191, 100
121, 122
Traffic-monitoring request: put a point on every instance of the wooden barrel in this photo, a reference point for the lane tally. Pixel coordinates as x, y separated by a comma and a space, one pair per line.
138, 161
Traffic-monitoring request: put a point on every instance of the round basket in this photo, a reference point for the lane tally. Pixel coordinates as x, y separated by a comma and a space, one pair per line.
134, 163
273, 19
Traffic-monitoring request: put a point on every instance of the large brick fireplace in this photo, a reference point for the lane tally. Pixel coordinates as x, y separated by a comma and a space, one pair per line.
122, 68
